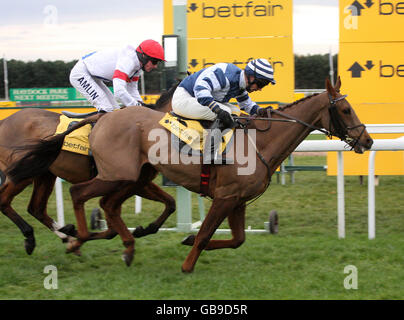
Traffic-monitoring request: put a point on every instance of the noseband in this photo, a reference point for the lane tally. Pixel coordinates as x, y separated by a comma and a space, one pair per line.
339, 126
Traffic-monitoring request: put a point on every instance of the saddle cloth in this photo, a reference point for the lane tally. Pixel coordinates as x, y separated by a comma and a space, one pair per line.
77, 141
191, 132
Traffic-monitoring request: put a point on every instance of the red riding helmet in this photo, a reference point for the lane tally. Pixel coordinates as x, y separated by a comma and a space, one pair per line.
151, 49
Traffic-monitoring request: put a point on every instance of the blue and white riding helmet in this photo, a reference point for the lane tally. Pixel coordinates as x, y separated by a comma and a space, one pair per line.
260, 69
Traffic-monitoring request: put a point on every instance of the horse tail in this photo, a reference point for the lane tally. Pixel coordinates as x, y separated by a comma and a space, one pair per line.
42, 154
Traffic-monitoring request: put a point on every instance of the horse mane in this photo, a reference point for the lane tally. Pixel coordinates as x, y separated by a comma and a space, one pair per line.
282, 108
164, 98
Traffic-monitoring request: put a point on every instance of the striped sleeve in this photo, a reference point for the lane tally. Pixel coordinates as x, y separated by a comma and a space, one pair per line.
209, 81
246, 104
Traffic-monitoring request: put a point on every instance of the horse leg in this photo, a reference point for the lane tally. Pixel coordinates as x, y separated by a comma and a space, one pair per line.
108, 234
217, 212
124, 193
153, 192
112, 205
80, 193
42, 190
237, 225
7, 194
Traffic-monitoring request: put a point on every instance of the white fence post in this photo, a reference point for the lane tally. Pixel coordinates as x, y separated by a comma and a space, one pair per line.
341, 196
138, 204
371, 196
59, 202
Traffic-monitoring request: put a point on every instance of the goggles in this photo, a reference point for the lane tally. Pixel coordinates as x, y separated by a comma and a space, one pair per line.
154, 60
261, 83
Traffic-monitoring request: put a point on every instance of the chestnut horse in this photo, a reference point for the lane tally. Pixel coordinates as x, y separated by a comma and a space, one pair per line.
29, 125
131, 138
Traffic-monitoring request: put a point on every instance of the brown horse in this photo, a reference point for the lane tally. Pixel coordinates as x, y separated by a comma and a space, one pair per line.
29, 125
133, 142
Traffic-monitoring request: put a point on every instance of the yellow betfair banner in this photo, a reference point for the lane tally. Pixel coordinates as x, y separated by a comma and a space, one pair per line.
379, 113
168, 17
386, 162
229, 18
203, 53
371, 65
372, 72
371, 21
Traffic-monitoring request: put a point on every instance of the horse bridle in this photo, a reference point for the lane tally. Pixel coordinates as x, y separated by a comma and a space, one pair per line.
340, 128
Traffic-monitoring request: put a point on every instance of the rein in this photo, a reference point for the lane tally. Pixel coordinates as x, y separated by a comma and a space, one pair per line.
340, 128
288, 119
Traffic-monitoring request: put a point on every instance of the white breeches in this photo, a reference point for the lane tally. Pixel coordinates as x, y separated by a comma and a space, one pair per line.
188, 106
93, 89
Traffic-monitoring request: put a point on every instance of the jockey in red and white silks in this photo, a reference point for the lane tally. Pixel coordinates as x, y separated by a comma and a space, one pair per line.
121, 66
206, 93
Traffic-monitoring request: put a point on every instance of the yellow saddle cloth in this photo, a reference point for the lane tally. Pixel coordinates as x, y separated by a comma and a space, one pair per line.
191, 132
77, 141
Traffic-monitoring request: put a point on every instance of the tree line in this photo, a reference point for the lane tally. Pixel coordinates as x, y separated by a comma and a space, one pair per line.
310, 73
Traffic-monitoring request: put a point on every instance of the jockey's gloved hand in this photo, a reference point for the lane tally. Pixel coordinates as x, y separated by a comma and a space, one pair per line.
226, 118
262, 112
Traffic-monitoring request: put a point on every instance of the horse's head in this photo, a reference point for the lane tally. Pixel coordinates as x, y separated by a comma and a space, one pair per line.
163, 104
341, 120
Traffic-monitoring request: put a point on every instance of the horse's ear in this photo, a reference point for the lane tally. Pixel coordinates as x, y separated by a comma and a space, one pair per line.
330, 88
338, 84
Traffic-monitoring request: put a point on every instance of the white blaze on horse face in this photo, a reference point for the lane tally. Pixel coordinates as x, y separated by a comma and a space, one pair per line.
251, 158
158, 152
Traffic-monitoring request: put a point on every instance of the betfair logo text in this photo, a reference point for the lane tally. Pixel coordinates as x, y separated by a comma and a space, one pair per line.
204, 63
385, 70
246, 10
386, 8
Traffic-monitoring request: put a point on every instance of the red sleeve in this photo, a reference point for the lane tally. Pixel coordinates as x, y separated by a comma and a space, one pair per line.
121, 75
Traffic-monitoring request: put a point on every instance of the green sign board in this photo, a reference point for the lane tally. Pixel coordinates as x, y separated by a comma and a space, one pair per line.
45, 94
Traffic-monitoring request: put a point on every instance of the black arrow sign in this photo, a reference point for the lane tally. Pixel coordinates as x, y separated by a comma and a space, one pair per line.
369, 3
193, 6
356, 70
369, 64
356, 8
194, 63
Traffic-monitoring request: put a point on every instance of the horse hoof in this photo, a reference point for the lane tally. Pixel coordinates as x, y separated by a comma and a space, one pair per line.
69, 230
29, 245
76, 252
128, 258
139, 232
73, 247
186, 270
189, 241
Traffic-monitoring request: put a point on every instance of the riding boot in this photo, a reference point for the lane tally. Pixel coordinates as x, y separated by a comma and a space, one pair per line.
211, 152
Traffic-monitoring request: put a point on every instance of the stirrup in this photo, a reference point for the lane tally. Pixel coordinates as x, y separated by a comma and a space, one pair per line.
209, 151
